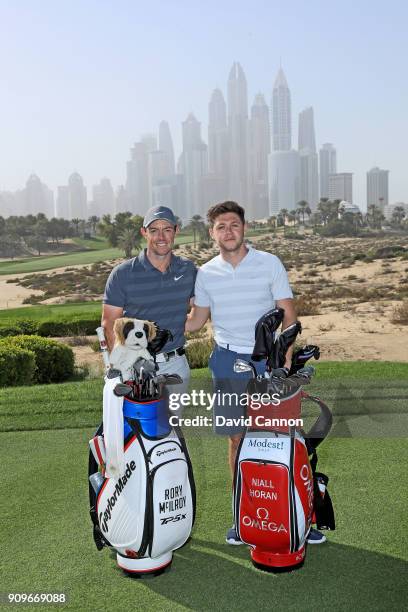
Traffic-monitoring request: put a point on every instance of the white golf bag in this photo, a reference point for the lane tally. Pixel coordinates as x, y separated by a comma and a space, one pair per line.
149, 510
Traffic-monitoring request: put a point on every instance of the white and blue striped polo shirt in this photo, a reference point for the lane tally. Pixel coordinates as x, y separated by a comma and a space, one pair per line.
239, 296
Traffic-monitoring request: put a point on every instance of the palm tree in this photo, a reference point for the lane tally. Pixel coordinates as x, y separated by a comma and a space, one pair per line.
272, 221
94, 220
129, 240
398, 215
301, 208
374, 216
283, 214
76, 223
197, 227
293, 216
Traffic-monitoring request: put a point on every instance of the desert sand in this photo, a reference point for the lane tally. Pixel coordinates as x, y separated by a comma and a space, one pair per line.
345, 328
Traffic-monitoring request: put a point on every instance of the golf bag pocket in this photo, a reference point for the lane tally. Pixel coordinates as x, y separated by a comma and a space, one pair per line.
263, 516
171, 505
121, 503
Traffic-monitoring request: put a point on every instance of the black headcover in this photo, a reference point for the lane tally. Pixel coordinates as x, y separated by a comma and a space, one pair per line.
163, 336
302, 355
265, 333
285, 340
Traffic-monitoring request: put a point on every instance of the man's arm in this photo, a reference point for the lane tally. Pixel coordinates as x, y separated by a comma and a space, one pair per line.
288, 306
109, 316
197, 318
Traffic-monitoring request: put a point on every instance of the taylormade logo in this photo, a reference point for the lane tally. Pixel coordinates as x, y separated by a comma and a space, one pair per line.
106, 515
163, 452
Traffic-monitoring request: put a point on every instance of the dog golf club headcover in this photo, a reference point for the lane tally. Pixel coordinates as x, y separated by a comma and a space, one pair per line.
265, 330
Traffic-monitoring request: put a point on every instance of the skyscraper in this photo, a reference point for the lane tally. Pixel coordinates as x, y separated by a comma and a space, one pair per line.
193, 166
137, 178
341, 186
309, 166
283, 162
37, 197
166, 145
281, 114
284, 180
216, 183
238, 134
63, 207
259, 149
306, 132
328, 165
103, 198
122, 200
77, 197
217, 135
377, 187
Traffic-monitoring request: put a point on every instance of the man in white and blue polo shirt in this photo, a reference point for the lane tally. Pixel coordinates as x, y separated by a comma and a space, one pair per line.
236, 288
154, 286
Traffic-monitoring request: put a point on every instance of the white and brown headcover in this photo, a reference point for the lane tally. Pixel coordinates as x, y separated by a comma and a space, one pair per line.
133, 332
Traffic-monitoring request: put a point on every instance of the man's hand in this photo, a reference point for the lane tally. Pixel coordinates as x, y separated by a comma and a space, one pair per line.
289, 317
109, 316
197, 318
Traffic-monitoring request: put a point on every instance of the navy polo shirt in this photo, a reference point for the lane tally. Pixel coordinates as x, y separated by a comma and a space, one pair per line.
146, 293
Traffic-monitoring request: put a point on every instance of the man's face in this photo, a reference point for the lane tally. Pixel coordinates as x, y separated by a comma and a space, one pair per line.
159, 236
228, 232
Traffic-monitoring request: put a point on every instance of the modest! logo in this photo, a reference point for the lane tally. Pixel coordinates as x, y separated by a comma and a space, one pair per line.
265, 443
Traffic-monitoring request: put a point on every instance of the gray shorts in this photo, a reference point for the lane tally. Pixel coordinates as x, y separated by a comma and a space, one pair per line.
177, 365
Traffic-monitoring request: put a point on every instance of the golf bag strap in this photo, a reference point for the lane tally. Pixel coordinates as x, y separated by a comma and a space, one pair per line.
99, 539
322, 425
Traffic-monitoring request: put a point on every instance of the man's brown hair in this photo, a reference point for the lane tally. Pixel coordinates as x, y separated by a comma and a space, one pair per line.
225, 207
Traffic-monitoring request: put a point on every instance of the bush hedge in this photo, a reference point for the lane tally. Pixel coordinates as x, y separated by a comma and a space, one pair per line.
68, 327
17, 366
54, 362
51, 327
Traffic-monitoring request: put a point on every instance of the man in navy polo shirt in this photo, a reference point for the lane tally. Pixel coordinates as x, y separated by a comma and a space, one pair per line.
236, 288
155, 286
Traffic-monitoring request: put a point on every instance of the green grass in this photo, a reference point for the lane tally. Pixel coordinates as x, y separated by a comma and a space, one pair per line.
95, 250
49, 262
47, 312
47, 538
96, 243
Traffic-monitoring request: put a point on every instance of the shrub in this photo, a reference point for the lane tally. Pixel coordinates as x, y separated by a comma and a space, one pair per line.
54, 361
198, 353
400, 314
20, 326
68, 327
17, 366
306, 305
293, 235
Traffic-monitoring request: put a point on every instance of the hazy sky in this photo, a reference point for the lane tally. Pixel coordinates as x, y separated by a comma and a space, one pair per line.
82, 79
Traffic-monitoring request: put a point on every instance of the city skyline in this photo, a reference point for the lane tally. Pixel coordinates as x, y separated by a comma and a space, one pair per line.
249, 159
49, 129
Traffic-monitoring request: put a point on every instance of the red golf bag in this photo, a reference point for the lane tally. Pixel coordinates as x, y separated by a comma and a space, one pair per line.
276, 491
